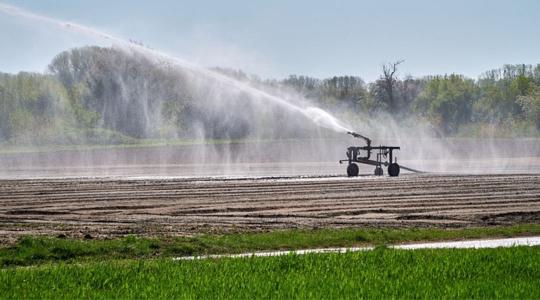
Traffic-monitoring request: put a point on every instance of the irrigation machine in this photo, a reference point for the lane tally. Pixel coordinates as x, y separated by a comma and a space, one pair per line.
384, 156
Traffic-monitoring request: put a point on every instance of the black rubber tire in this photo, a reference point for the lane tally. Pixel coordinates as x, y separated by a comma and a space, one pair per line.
352, 170
393, 170
379, 171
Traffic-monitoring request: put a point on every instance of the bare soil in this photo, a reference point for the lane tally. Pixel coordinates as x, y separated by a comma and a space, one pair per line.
104, 208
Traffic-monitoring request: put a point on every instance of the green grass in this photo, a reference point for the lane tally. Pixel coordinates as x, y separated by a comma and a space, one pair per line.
32, 250
382, 273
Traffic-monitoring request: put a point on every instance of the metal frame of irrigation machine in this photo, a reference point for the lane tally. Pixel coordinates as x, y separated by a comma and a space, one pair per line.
384, 152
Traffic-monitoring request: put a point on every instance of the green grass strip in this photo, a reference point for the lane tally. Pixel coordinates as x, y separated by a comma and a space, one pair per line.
32, 250
382, 273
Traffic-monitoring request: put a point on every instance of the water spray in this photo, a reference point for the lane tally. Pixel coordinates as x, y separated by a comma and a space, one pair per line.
317, 115
320, 117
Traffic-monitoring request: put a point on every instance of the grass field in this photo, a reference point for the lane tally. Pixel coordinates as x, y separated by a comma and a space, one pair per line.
450, 273
38, 250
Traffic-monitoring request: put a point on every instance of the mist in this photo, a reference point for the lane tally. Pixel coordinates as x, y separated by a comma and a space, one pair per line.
196, 121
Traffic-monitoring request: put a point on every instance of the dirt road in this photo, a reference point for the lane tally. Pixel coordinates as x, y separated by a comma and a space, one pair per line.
111, 207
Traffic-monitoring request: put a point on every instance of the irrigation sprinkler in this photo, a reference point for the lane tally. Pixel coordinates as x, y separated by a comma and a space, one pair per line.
384, 156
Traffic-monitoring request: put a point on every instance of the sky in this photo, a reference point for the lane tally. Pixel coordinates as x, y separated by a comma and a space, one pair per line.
277, 38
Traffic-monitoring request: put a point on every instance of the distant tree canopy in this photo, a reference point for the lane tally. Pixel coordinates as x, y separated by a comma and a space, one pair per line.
124, 93
508, 96
348, 92
31, 105
446, 101
95, 94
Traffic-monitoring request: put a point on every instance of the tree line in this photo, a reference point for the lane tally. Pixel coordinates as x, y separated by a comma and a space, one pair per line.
105, 95
505, 98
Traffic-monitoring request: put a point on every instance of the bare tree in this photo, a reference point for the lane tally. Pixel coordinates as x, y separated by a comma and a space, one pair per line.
388, 82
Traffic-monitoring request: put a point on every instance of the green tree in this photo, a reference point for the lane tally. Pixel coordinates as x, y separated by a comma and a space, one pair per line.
500, 90
33, 107
530, 104
446, 101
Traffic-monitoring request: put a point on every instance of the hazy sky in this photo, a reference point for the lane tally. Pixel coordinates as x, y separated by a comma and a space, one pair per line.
278, 38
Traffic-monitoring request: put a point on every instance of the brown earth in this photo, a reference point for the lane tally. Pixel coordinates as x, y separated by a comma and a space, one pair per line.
110, 207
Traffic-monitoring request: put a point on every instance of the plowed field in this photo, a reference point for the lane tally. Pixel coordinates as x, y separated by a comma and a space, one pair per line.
111, 207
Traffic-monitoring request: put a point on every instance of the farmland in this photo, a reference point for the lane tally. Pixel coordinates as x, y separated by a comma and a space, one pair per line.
78, 237
175, 207
101, 222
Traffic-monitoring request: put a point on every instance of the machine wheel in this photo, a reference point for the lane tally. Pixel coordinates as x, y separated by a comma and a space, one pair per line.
393, 170
378, 171
352, 170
